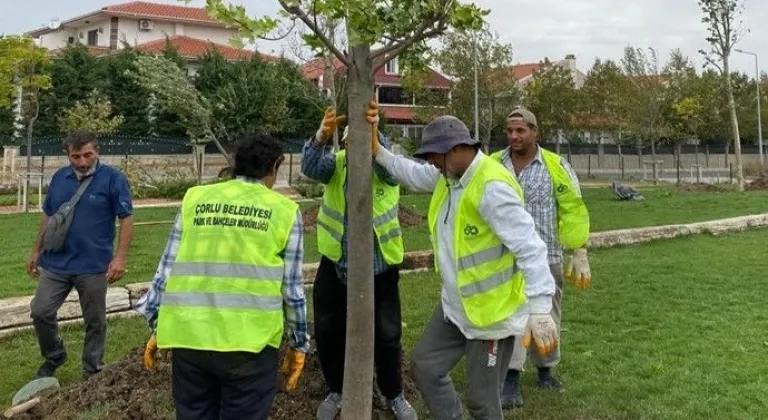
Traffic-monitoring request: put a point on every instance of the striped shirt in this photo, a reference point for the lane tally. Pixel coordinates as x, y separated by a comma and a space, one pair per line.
540, 199
294, 301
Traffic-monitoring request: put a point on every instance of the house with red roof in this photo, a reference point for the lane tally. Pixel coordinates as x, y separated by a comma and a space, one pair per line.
399, 108
145, 26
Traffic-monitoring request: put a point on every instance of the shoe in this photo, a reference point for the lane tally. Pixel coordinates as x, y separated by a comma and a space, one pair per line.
48, 368
402, 408
511, 392
330, 407
549, 382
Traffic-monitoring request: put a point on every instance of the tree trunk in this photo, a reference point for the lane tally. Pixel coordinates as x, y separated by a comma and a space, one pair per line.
653, 142
30, 130
734, 124
358, 362
329, 71
489, 130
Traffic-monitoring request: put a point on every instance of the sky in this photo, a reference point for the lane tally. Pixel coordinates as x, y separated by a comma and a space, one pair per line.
536, 29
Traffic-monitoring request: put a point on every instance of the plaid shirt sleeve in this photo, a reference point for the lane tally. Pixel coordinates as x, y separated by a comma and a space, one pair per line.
385, 176
149, 304
294, 302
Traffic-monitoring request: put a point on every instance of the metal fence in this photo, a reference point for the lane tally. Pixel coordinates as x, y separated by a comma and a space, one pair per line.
121, 145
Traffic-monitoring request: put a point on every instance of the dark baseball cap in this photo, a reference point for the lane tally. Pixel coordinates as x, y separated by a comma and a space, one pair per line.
443, 134
523, 114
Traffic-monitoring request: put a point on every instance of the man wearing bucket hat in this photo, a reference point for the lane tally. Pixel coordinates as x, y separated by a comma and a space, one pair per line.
496, 280
553, 198
330, 287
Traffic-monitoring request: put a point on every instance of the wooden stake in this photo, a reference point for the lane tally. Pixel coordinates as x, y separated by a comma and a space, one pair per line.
21, 408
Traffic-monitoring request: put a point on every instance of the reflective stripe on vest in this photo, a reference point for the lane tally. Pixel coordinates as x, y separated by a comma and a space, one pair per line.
572, 214
386, 225
224, 290
222, 301
490, 285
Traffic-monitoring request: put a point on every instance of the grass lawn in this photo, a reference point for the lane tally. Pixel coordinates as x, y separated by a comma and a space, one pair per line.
662, 334
663, 206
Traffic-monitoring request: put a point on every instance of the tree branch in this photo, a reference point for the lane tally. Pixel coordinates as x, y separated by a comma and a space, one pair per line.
396, 49
296, 11
280, 37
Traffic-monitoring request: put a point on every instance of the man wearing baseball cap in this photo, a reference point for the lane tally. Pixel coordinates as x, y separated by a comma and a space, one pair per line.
552, 196
496, 279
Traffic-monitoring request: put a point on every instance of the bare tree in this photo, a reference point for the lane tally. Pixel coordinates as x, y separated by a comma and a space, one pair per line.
724, 28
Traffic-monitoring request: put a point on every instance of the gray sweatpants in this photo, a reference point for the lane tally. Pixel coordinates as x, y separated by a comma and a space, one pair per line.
51, 293
439, 350
553, 357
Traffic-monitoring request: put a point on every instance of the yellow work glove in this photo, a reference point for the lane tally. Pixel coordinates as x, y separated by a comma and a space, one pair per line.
372, 115
329, 124
541, 329
291, 367
150, 352
578, 269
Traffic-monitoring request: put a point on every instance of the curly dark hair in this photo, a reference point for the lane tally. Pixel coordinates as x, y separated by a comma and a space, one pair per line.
256, 155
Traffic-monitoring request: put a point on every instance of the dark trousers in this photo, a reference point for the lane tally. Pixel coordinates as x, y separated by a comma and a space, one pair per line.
210, 385
52, 291
330, 305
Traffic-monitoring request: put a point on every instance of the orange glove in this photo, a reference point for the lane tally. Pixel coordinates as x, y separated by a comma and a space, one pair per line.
291, 367
372, 115
578, 269
330, 123
150, 352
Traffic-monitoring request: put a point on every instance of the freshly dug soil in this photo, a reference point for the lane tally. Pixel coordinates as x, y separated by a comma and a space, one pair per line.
406, 216
126, 391
758, 184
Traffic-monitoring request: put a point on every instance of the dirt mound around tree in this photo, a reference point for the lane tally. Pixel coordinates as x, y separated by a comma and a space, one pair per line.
758, 184
406, 216
126, 391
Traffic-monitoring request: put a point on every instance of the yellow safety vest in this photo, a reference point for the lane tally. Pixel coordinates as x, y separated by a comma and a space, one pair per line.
330, 218
489, 282
572, 214
224, 290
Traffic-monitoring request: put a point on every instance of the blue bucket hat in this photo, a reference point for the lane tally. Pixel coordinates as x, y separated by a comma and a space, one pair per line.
443, 134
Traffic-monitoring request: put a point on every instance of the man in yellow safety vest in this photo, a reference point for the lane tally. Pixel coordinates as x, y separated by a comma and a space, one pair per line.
496, 280
231, 274
329, 294
553, 198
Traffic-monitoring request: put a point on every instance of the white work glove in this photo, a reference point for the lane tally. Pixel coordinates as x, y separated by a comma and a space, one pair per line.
542, 330
578, 269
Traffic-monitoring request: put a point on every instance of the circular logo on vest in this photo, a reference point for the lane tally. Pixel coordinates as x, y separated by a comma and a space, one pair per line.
562, 188
471, 230
379, 192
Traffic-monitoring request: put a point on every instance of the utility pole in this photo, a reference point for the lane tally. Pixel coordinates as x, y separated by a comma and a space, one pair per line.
477, 112
759, 119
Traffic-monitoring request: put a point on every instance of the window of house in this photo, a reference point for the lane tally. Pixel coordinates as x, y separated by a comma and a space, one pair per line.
393, 95
414, 131
392, 67
93, 38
